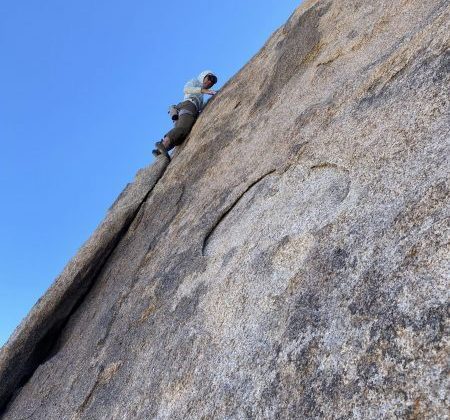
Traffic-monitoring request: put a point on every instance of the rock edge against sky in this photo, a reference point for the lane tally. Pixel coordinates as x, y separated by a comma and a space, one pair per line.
291, 260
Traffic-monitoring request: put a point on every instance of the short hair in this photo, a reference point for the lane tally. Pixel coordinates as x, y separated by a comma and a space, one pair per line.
212, 78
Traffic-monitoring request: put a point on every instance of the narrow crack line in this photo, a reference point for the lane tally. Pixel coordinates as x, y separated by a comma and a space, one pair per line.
86, 401
54, 332
122, 233
323, 165
157, 235
224, 215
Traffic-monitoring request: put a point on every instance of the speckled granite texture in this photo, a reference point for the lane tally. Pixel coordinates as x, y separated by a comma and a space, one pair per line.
291, 262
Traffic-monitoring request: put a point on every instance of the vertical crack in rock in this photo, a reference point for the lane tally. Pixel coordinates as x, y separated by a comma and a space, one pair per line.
227, 211
17, 368
103, 378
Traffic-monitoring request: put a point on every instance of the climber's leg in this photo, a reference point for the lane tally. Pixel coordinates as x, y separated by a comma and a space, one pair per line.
167, 143
176, 136
186, 119
161, 148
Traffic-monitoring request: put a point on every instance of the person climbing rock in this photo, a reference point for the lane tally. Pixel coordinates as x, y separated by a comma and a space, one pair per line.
185, 113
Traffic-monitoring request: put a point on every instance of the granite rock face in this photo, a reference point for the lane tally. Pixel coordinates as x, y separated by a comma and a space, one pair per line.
292, 259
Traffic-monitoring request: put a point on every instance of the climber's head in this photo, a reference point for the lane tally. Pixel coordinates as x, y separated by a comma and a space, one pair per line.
208, 79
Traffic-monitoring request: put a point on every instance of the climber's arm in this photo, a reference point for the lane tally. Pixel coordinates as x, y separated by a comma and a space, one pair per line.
190, 88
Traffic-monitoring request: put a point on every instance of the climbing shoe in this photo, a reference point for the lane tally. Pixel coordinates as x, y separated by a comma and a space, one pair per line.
156, 152
162, 150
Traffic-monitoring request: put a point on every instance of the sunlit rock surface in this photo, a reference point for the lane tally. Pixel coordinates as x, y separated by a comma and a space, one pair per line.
292, 259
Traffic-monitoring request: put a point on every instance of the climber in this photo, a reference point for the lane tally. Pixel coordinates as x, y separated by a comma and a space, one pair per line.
185, 113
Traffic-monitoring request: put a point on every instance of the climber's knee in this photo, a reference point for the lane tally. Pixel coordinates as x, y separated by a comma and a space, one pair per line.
167, 143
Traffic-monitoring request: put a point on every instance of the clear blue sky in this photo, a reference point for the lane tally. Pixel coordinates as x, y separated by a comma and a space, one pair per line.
84, 88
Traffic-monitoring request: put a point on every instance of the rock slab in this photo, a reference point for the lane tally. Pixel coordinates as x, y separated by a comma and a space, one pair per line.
292, 259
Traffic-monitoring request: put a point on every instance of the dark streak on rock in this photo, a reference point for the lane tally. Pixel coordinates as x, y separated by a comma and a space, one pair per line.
301, 45
87, 399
